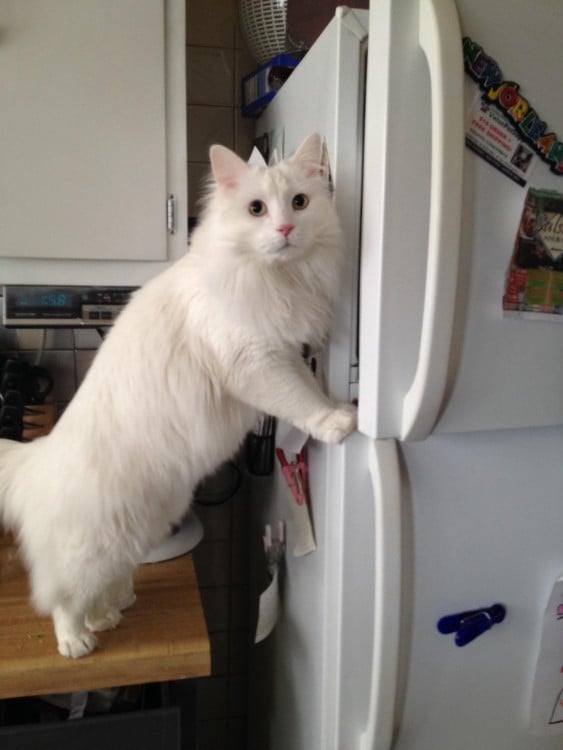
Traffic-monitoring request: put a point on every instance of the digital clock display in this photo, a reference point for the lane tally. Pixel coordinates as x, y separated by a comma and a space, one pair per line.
35, 303
46, 299
34, 306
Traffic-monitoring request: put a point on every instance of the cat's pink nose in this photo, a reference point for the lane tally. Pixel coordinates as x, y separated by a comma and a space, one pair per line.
285, 229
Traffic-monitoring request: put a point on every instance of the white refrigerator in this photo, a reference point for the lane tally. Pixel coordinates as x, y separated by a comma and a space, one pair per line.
449, 499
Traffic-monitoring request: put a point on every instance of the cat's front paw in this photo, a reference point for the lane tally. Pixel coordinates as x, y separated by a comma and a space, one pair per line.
336, 424
77, 646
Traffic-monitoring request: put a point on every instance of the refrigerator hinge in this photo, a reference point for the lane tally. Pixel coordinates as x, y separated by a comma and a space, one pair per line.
353, 389
353, 393
171, 214
351, 21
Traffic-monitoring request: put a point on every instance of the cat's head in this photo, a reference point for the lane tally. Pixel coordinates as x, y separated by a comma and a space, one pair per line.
273, 214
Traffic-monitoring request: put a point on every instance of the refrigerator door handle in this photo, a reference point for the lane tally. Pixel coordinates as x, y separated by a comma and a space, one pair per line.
386, 481
440, 40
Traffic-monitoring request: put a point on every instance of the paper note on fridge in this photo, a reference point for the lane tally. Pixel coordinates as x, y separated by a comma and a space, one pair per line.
547, 695
268, 609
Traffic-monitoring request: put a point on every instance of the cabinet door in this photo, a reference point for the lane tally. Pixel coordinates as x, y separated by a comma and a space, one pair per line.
83, 144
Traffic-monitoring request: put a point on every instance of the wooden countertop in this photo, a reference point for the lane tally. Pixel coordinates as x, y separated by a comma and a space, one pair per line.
161, 637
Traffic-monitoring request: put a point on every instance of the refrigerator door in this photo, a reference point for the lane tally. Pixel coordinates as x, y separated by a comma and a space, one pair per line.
483, 525
436, 351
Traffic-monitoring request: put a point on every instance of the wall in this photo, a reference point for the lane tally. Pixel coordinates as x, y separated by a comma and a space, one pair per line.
216, 61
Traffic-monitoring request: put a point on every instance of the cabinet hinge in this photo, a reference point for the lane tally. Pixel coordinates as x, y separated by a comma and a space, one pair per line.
171, 214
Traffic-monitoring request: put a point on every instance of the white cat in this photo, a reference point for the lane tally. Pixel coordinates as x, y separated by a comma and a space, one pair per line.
175, 387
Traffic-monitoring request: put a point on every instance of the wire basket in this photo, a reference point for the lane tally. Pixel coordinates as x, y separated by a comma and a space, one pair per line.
264, 26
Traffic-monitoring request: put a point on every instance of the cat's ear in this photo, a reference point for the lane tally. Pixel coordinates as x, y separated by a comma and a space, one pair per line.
310, 155
226, 166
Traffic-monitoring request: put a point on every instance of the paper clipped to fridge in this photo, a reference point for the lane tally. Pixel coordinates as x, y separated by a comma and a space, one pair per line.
547, 694
269, 603
295, 474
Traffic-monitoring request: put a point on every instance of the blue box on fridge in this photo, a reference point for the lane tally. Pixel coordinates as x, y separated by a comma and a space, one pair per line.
259, 87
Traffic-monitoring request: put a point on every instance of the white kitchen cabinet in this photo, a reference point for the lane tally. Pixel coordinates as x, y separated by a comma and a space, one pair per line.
93, 139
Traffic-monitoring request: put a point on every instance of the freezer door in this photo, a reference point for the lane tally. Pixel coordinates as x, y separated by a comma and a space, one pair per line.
326, 94
436, 351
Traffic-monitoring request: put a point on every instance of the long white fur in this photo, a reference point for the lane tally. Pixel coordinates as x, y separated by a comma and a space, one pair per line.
174, 389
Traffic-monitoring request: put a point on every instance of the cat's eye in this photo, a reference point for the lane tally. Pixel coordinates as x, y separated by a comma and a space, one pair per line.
257, 208
300, 201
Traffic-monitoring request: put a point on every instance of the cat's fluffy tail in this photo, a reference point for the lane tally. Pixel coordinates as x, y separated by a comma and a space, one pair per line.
11, 457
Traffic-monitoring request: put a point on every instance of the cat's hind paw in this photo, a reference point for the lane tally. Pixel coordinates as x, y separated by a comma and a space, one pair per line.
334, 426
107, 620
127, 600
78, 646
